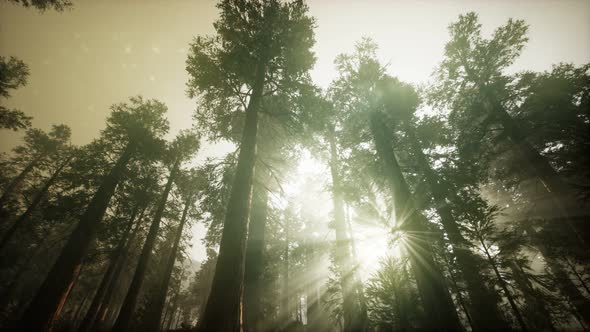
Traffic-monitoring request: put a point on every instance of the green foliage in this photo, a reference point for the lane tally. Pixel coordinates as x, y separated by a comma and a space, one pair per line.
391, 297
43, 5
13, 74
250, 34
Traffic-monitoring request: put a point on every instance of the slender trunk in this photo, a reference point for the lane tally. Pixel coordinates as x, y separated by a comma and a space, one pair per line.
155, 316
577, 274
437, 302
36, 200
78, 312
363, 318
223, 312
18, 179
253, 313
98, 298
105, 306
462, 302
350, 305
173, 305
285, 309
563, 281
169, 325
44, 308
540, 319
128, 308
483, 309
504, 287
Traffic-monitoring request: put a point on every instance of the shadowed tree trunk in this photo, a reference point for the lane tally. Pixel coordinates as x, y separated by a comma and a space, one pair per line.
357, 279
351, 310
18, 180
562, 279
483, 308
155, 312
540, 319
128, 307
437, 302
45, 306
105, 305
255, 261
36, 200
223, 312
502, 282
98, 298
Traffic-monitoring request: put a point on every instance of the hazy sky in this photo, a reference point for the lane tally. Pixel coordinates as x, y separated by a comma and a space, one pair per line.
102, 52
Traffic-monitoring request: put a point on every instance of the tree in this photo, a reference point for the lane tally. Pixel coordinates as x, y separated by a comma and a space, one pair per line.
480, 225
191, 184
471, 81
273, 39
38, 148
391, 297
181, 149
356, 90
13, 74
43, 5
35, 202
131, 128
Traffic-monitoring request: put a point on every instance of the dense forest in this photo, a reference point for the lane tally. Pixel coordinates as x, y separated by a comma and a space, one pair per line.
470, 193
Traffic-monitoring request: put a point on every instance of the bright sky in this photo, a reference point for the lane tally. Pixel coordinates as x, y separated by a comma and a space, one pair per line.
102, 52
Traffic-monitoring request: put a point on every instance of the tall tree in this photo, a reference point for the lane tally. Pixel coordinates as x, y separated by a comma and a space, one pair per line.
274, 39
190, 184
483, 308
472, 82
357, 92
181, 149
131, 128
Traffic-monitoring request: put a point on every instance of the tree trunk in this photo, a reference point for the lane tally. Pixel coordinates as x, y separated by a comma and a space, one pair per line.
285, 308
44, 308
540, 319
155, 313
98, 298
105, 305
223, 312
362, 318
437, 302
484, 310
351, 310
255, 261
36, 200
17, 180
563, 281
128, 308
504, 287
577, 274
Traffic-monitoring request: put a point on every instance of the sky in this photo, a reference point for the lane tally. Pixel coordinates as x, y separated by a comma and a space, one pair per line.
101, 52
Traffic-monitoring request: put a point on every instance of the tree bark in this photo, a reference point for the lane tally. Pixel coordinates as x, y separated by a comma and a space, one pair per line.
91, 313
223, 312
437, 302
128, 308
483, 310
255, 261
45, 306
155, 314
